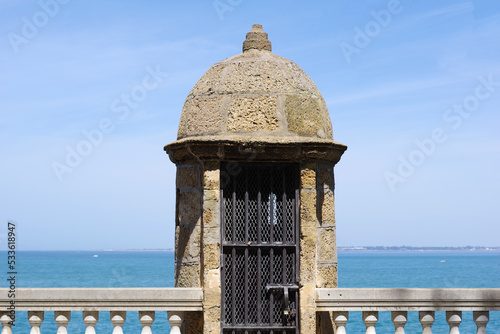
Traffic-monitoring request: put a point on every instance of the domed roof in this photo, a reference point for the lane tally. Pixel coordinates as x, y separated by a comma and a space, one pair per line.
255, 94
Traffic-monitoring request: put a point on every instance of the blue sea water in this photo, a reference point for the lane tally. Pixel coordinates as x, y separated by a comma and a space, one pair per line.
420, 270
356, 269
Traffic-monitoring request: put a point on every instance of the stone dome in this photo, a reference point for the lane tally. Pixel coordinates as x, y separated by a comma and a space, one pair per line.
253, 95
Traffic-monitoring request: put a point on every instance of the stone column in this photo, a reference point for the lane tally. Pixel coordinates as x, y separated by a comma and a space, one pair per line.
318, 252
326, 242
308, 240
188, 270
211, 248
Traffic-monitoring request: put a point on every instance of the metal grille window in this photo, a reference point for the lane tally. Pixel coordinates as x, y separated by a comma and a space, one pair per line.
260, 249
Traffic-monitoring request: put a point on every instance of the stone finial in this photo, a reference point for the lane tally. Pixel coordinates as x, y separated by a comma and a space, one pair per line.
257, 39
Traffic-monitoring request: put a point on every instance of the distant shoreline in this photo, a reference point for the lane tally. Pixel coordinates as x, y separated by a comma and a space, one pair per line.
99, 250
418, 249
133, 250
340, 249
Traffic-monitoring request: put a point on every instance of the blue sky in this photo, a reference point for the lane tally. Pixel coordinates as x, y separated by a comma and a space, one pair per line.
413, 88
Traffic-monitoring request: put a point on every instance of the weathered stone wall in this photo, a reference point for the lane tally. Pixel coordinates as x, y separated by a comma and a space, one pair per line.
255, 92
308, 253
198, 240
318, 253
188, 235
211, 234
325, 208
327, 246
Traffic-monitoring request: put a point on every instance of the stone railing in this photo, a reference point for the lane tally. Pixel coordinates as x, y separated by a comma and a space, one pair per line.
400, 301
92, 300
179, 300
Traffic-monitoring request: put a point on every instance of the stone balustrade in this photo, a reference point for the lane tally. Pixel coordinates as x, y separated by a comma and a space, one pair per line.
176, 301
118, 301
399, 301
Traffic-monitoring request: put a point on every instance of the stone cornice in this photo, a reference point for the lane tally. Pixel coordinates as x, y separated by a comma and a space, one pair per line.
263, 149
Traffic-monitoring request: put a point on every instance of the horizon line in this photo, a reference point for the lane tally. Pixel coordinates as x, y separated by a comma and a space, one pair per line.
340, 248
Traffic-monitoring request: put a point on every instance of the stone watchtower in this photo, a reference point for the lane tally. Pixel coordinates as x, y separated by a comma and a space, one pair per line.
255, 217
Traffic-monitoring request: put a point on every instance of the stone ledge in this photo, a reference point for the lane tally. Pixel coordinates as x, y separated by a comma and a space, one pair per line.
411, 299
244, 148
105, 299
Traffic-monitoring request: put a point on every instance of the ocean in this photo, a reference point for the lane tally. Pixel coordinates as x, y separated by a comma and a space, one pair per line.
412, 269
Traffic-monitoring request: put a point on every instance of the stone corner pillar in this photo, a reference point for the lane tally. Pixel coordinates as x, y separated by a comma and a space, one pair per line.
307, 258
211, 253
188, 269
318, 252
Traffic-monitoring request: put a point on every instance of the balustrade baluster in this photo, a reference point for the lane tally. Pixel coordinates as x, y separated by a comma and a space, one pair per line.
62, 319
454, 318
426, 319
175, 319
5, 319
90, 319
399, 319
118, 319
481, 319
35, 319
370, 318
340, 319
146, 318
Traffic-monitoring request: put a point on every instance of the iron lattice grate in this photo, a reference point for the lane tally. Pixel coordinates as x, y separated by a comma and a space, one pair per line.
259, 249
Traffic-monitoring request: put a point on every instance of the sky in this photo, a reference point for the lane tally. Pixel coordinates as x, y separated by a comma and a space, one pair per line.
91, 91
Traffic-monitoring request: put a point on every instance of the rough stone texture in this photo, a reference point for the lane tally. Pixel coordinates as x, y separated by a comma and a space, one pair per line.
255, 91
257, 39
188, 243
256, 148
308, 209
212, 255
308, 240
325, 176
206, 84
211, 248
211, 302
187, 176
188, 237
327, 249
188, 233
193, 323
307, 309
207, 115
325, 323
189, 206
211, 178
198, 240
326, 244
327, 276
326, 118
252, 114
304, 115
188, 266
318, 255
206, 112
326, 203
260, 82
188, 275
308, 177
